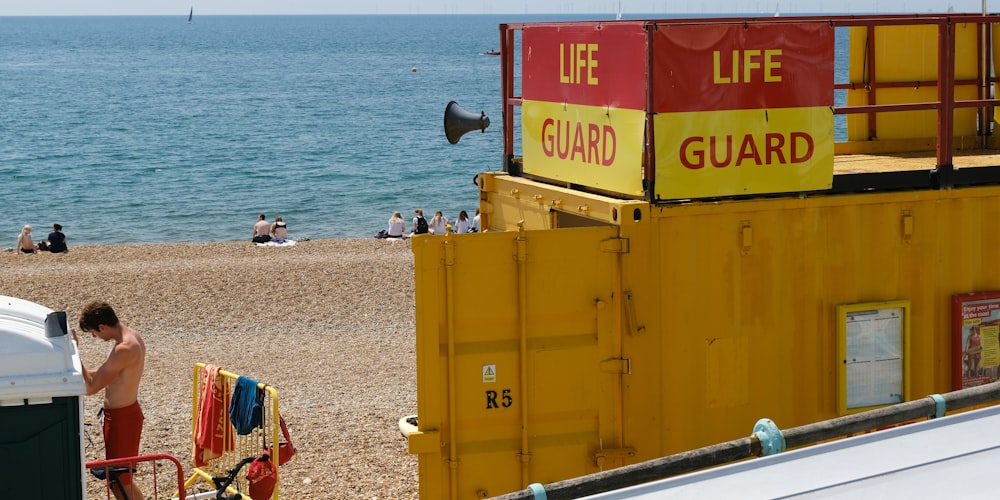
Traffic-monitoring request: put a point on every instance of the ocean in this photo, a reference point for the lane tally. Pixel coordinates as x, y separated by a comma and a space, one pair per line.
153, 130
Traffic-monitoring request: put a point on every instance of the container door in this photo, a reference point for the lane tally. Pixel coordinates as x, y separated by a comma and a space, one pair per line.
40, 456
519, 363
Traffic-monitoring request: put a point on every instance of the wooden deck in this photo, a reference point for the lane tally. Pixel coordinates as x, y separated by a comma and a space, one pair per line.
898, 162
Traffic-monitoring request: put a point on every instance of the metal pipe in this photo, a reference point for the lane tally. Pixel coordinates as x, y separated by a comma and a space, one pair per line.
870, 82
130, 461
649, 172
507, 92
984, 79
946, 96
738, 449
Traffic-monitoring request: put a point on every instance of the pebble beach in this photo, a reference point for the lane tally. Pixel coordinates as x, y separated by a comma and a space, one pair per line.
329, 323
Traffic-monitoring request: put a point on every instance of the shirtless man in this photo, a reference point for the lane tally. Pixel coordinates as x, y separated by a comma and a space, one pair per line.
119, 378
261, 230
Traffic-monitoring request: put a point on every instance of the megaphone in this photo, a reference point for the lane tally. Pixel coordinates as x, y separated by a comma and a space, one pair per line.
458, 121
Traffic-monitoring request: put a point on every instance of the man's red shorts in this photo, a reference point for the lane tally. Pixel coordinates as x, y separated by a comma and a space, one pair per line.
122, 429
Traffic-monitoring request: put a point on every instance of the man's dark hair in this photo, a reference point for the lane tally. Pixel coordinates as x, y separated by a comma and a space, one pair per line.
95, 314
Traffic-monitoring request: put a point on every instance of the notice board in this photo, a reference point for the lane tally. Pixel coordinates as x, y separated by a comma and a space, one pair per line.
873, 364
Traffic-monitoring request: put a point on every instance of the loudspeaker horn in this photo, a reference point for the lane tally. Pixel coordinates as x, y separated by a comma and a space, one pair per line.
458, 121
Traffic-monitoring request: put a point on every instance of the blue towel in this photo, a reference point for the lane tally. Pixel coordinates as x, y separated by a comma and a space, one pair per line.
247, 407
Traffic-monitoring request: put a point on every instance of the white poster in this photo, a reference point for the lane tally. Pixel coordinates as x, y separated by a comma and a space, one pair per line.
874, 357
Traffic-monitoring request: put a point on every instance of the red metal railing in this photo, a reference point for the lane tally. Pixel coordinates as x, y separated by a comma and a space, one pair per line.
129, 461
945, 83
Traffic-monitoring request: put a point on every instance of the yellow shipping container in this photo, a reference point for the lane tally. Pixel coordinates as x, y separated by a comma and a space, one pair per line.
547, 354
586, 329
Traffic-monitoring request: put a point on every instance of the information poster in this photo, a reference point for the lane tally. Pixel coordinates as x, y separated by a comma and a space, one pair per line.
873, 354
975, 342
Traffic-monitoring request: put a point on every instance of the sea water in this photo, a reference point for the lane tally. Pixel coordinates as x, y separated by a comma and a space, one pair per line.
153, 130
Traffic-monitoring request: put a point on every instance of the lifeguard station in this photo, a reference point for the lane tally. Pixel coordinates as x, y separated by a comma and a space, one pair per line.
705, 222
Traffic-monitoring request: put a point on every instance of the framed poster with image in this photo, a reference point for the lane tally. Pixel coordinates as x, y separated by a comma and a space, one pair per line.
975, 319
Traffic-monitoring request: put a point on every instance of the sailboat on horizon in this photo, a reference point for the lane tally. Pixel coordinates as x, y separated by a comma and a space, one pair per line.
190, 14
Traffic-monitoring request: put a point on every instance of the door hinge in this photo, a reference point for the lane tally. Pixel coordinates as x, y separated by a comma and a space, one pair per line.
615, 245
622, 366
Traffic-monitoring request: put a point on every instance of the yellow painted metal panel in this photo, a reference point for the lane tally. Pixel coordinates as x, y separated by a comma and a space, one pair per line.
594, 146
778, 298
738, 152
512, 200
908, 54
494, 308
909, 124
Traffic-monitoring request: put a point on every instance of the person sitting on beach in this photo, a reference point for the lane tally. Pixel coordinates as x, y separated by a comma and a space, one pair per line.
261, 230
474, 228
24, 243
396, 225
419, 222
57, 240
279, 230
439, 223
462, 225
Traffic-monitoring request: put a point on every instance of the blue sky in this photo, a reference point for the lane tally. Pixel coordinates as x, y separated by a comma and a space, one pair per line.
262, 7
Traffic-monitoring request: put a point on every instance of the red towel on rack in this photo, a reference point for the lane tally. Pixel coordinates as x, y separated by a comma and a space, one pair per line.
213, 434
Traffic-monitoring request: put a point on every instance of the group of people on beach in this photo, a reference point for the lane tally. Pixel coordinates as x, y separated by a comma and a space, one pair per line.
264, 231
437, 225
56, 242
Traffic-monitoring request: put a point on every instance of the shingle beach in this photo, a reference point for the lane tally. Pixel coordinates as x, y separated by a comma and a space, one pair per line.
329, 323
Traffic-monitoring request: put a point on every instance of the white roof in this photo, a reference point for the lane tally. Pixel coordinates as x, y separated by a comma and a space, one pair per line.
948, 457
36, 362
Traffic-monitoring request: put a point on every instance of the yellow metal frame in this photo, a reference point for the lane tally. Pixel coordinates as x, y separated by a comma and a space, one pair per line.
252, 444
904, 338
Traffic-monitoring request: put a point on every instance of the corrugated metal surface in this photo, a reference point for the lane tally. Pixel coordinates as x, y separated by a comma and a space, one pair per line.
516, 376
950, 457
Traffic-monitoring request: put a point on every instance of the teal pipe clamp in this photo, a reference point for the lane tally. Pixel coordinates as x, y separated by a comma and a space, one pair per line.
939, 405
538, 490
771, 439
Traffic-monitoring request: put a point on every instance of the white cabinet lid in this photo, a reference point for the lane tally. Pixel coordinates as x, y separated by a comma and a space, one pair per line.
38, 358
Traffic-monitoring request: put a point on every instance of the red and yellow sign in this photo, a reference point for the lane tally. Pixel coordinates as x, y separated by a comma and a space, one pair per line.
743, 109
737, 108
588, 63
583, 114
727, 153
588, 145
737, 66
